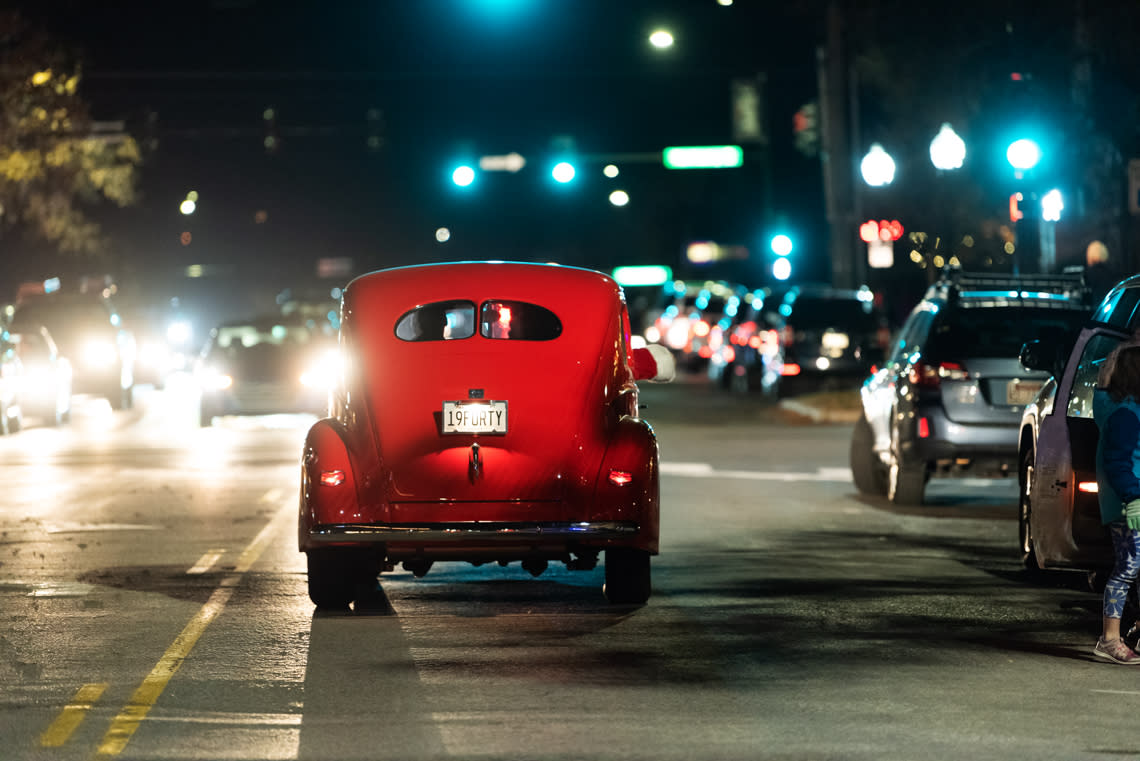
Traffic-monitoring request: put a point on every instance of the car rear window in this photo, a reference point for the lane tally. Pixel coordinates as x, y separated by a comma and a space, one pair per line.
809, 313
498, 320
997, 332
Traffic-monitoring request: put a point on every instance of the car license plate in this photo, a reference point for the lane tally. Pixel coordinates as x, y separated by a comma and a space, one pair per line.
1022, 391
483, 416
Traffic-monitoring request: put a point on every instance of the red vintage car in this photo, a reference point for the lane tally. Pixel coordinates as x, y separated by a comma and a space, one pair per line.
486, 412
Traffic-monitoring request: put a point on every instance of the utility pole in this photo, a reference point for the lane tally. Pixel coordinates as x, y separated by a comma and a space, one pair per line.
835, 151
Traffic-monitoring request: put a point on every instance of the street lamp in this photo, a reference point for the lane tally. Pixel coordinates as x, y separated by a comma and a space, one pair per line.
1023, 155
878, 167
947, 150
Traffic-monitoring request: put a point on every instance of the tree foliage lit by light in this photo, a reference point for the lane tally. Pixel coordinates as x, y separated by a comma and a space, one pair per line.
53, 158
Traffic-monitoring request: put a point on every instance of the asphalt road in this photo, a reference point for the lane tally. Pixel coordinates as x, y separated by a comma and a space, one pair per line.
153, 606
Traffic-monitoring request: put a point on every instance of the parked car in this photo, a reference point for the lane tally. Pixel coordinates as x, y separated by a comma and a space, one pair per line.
949, 398
89, 332
11, 380
45, 389
488, 412
264, 366
1059, 522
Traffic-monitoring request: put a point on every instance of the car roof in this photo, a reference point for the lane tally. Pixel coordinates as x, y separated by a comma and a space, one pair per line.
570, 290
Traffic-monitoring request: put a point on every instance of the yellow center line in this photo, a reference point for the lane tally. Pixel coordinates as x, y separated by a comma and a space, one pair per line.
144, 697
206, 562
72, 715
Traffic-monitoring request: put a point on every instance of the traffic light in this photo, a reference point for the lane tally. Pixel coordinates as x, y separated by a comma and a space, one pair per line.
563, 172
463, 175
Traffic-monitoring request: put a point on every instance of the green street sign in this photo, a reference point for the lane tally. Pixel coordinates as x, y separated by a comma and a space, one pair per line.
702, 157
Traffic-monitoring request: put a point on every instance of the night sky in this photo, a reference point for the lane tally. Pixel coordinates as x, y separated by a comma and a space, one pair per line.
457, 79
452, 79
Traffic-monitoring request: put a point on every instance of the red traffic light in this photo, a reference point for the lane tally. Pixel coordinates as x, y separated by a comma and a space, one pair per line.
881, 230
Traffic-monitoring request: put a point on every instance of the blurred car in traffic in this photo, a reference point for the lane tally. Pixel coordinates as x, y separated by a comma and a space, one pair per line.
264, 366
88, 331
750, 357
488, 413
11, 380
1059, 524
692, 325
949, 398
45, 388
803, 338
830, 338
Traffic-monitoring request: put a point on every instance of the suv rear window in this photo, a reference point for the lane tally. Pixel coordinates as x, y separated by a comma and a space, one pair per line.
997, 332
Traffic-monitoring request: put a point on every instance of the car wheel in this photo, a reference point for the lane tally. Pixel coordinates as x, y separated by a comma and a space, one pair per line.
336, 577
627, 576
117, 397
15, 422
205, 417
906, 483
1024, 511
866, 468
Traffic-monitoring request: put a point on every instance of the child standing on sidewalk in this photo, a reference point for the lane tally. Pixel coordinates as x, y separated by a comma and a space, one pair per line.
1116, 410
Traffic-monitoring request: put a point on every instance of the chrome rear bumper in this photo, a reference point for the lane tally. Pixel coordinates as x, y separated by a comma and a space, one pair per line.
507, 533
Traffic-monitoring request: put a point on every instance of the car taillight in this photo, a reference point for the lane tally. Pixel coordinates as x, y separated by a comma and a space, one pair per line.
790, 368
332, 477
620, 477
1088, 487
729, 354
931, 374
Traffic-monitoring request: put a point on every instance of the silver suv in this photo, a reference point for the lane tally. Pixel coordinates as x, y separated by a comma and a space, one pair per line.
948, 400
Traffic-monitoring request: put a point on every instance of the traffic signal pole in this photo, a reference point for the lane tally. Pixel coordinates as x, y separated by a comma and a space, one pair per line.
835, 154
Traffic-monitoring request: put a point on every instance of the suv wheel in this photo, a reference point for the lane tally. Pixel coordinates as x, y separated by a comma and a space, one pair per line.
906, 482
866, 468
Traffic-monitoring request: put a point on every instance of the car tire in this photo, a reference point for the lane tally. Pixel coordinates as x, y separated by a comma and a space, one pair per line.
15, 422
205, 418
1024, 513
335, 577
906, 482
627, 576
867, 470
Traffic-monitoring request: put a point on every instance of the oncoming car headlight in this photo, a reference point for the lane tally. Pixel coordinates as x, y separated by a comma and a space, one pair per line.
321, 374
99, 353
216, 380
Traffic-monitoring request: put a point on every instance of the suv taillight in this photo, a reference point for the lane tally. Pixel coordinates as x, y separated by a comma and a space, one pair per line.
931, 374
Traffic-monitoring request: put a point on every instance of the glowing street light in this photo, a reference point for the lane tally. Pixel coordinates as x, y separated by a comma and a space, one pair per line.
878, 167
619, 198
661, 39
947, 150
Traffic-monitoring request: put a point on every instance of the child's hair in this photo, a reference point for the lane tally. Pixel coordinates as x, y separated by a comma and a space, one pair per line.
1124, 378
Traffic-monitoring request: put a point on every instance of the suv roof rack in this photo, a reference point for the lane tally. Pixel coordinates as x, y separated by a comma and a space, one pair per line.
1065, 287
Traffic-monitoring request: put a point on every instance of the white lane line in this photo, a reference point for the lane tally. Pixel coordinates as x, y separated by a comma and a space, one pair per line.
1117, 692
78, 528
271, 496
705, 470
206, 562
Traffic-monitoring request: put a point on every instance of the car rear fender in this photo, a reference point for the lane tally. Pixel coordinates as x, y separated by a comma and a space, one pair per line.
328, 480
628, 484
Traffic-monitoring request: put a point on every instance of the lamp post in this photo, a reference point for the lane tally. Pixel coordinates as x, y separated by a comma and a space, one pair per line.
877, 167
1023, 155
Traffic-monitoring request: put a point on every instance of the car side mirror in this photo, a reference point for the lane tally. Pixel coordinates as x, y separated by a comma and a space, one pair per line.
1043, 355
654, 363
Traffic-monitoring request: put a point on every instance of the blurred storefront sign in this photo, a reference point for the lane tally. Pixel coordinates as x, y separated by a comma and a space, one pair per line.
705, 251
334, 266
880, 254
748, 110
